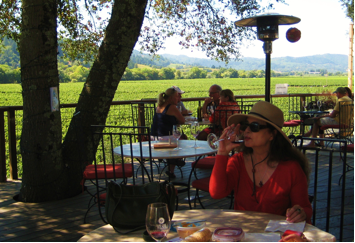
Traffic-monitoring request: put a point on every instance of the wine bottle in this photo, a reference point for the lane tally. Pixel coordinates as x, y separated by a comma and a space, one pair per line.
199, 111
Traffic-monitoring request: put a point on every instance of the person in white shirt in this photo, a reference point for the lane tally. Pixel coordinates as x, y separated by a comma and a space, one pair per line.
180, 105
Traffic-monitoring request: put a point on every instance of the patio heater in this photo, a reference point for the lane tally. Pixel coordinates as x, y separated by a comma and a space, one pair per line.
267, 31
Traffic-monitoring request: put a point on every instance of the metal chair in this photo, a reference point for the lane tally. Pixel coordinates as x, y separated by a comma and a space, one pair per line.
202, 184
143, 113
221, 115
109, 166
345, 129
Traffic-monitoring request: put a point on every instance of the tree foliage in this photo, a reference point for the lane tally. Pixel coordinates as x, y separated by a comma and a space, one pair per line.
349, 8
204, 25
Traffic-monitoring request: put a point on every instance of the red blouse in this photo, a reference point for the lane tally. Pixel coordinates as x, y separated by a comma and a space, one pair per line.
286, 187
223, 111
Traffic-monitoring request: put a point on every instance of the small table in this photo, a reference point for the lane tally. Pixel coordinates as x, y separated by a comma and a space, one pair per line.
304, 115
250, 222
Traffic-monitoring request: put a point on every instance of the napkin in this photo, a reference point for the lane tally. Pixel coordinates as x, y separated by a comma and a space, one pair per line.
283, 225
262, 237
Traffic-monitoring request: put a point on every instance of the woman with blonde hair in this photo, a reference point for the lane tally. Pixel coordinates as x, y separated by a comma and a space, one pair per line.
167, 114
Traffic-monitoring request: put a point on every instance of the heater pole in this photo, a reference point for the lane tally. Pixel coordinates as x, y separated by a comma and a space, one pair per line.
267, 50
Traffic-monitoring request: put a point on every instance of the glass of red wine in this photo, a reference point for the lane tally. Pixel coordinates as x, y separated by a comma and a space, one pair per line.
158, 221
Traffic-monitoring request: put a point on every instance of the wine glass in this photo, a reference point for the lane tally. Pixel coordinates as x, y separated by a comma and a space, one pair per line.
213, 141
319, 104
195, 130
177, 132
157, 221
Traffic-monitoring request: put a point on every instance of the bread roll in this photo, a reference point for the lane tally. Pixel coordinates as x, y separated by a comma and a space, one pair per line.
202, 235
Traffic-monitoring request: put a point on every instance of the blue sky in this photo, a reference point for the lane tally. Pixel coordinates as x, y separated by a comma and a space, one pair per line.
324, 29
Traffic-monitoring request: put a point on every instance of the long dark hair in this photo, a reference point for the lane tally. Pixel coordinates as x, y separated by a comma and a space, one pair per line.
281, 150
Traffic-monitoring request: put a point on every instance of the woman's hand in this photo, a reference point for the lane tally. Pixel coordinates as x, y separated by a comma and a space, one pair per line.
227, 145
295, 214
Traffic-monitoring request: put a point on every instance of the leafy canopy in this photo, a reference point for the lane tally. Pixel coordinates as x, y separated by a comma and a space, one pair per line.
206, 25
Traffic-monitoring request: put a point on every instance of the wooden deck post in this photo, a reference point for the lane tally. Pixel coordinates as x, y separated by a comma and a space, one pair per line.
2, 148
12, 144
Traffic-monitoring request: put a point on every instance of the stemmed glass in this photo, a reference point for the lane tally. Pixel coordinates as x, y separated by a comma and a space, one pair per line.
319, 104
177, 132
213, 141
195, 130
157, 221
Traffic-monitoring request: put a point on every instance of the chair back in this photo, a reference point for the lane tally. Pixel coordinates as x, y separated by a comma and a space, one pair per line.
221, 115
119, 150
346, 119
143, 113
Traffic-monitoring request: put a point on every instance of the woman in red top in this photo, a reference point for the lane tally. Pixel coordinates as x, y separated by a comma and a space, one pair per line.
227, 107
268, 175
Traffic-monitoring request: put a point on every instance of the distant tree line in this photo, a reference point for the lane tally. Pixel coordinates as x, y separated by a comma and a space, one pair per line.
154, 69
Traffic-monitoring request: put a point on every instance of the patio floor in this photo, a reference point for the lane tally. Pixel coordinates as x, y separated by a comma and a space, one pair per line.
63, 220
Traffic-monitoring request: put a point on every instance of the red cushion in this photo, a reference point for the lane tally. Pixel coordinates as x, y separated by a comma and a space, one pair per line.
325, 127
298, 121
349, 148
205, 163
89, 172
202, 184
291, 124
102, 198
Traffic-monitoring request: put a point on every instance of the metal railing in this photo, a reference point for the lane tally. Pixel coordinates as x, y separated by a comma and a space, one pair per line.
11, 118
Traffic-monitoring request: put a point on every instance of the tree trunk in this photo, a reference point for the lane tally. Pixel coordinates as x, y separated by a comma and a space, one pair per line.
52, 171
95, 99
41, 136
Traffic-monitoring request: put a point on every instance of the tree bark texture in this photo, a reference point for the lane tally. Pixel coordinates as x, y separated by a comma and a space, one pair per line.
41, 136
97, 94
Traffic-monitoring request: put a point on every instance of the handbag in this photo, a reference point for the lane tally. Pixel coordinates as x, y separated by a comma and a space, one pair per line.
126, 205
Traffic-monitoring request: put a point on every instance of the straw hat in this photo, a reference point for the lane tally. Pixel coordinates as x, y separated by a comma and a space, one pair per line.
264, 111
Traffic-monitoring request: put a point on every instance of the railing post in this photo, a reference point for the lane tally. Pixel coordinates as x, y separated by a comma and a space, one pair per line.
12, 144
2, 147
302, 98
141, 115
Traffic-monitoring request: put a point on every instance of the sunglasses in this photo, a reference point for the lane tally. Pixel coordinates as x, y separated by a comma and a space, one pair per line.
254, 126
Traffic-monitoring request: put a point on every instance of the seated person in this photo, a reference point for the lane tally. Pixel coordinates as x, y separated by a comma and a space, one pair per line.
349, 93
209, 106
227, 106
167, 115
268, 174
212, 101
332, 118
180, 105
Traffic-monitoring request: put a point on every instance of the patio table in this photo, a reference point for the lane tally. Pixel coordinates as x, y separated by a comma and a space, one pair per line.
250, 222
186, 151
304, 115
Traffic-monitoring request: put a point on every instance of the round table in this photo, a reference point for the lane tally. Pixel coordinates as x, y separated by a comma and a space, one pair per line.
251, 222
166, 153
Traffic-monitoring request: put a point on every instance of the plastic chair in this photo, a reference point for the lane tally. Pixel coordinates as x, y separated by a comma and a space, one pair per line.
108, 166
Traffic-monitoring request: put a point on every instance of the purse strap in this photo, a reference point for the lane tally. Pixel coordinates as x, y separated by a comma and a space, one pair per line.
130, 231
